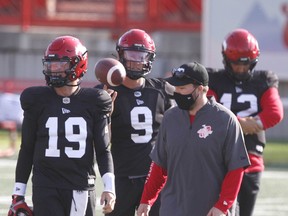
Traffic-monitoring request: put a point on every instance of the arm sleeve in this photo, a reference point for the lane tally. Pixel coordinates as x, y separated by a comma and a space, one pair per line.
154, 183
103, 104
229, 190
272, 108
28, 137
102, 145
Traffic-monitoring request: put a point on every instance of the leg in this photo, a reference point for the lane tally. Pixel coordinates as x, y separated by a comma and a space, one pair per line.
49, 201
248, 193
91, 206
79, 203
127, 196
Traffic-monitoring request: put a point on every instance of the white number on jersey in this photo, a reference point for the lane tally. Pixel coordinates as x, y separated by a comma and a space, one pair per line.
52, 125
146, 125
226, 100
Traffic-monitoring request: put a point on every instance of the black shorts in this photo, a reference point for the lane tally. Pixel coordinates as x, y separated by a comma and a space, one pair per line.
62, 202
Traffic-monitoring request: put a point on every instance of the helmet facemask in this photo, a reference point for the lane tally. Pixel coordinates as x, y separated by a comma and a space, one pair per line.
240, 77
60, 72
136, 51
137, 63
240, 47
65, 60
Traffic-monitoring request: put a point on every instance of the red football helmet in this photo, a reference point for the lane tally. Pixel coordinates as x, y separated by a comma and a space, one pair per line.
64, 54
136, 51
240, 47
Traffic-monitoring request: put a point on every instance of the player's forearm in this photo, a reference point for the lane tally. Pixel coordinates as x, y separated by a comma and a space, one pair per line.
272, 108
105, 163
229, 190
154, 184
24, 165
102, 148
23, 171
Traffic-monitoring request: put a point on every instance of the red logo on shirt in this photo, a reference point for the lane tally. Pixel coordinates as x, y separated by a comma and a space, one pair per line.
205, 131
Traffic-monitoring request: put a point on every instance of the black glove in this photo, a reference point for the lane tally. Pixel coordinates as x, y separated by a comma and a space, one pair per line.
19, 206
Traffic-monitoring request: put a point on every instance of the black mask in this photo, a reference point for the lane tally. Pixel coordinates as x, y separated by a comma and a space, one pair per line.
185, 102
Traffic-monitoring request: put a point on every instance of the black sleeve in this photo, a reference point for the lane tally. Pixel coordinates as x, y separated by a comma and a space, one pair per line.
272, 79
29, 127
101, 133
102, 145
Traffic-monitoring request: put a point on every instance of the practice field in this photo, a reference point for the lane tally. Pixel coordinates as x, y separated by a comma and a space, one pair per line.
272, 200
7, 170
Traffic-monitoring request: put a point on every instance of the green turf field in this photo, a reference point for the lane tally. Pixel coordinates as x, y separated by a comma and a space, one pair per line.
272, 199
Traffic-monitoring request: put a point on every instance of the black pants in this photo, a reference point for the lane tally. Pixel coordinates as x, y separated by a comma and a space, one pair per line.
58, 202
128, 195
248, 193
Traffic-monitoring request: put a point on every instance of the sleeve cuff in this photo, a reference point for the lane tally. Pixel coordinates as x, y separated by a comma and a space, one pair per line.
222, 206
109, 182
19, 189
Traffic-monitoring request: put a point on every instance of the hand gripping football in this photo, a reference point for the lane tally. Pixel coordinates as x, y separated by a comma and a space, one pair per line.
110, 71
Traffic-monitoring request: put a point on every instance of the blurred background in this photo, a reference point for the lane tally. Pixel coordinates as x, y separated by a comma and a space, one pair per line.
183, 30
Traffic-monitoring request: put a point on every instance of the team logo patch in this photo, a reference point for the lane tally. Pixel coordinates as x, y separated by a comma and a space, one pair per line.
65, 111
238, 89
66, 100
139, 102
137, 94
205, 131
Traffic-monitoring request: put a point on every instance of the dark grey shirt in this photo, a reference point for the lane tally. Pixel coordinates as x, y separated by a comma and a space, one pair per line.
197, 157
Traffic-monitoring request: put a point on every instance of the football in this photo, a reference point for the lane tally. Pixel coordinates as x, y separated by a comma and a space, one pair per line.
110, 71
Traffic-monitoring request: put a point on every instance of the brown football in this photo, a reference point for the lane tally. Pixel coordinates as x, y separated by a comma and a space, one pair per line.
110, 71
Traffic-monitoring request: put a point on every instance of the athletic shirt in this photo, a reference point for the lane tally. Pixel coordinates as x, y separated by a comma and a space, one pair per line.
244, 99
60, 135
135, 123
197, 157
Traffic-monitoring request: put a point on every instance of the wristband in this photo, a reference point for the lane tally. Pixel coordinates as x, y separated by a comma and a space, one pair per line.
109, 182
19, 189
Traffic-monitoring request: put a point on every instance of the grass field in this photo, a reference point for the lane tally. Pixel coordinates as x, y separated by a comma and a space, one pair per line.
272, 199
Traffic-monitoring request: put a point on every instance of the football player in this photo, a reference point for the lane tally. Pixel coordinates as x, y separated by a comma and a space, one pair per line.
138, 112
252, 95
64, 128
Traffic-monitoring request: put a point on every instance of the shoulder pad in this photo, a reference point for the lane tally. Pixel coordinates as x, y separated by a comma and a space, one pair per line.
214, 70
267, 76
101, 99
160, 84
33, 95
155, 82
